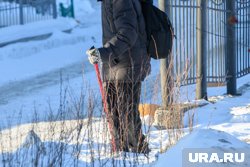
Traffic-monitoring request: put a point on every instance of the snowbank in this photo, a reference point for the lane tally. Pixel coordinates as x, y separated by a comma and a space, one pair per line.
17, 32
205, 139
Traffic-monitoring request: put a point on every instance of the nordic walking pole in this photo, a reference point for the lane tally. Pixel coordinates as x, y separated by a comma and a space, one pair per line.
105, 105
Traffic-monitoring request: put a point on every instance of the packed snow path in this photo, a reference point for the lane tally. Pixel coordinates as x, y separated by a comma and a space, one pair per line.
21, 88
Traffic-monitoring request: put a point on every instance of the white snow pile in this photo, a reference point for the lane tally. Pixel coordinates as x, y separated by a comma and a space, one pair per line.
17, 32
83, 8
67, 143
86, 142
204, 139
241, 114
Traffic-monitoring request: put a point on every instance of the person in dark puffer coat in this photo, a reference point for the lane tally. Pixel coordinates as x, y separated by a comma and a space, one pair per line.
125, 64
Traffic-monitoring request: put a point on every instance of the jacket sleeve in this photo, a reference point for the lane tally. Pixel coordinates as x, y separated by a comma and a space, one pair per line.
125, 21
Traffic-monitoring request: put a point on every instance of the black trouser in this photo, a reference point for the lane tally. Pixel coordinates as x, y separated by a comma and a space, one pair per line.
123, 100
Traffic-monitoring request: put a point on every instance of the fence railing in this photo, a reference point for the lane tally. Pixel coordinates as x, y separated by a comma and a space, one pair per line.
186, 20
14, 12
243, 34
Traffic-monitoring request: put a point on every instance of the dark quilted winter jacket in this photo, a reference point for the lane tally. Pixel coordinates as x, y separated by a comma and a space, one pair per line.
124, 53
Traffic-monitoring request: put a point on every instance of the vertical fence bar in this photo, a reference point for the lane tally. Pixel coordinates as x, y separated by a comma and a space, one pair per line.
193, 43
248, 39
244, 39
21, 12
201, 46
231, 48
54, 9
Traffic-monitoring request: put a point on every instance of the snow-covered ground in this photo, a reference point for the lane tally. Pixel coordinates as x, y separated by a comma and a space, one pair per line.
220, 125
44, 27
47, 88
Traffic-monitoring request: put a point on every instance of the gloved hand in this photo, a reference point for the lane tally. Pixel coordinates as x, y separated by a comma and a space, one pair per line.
93, 56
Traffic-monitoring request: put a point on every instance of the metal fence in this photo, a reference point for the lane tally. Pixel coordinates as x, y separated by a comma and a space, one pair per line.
186, 21
243, 34
14, 12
